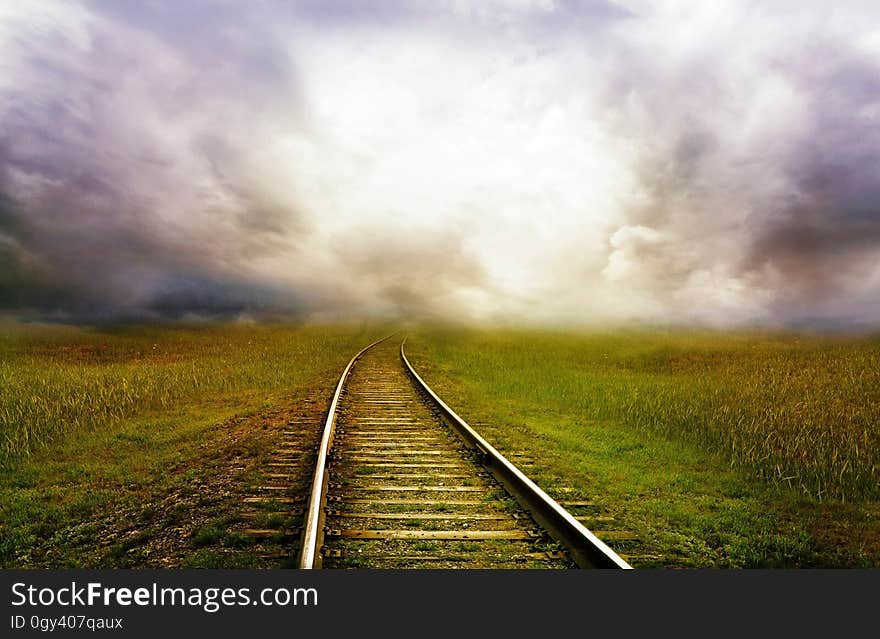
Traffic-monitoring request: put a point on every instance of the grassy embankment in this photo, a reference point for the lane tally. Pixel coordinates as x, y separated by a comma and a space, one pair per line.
716, 449
101, 425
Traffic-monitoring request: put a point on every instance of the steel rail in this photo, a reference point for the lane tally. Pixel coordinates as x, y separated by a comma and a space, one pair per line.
587, 550
313, 528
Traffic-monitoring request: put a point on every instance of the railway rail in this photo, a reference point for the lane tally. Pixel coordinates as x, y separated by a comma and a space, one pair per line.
400, 480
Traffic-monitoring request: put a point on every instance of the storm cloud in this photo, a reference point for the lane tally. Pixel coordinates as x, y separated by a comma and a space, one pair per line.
543, 161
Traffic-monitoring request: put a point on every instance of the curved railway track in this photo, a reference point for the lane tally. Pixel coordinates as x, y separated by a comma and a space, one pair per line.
401, 481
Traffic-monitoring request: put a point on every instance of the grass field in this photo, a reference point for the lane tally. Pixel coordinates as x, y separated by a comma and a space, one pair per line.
57, 381
718, 449
119, 420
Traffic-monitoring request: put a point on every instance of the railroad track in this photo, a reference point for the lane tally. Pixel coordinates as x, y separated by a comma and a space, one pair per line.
401, 481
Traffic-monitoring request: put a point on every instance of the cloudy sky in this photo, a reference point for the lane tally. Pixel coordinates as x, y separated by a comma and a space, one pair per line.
523, 160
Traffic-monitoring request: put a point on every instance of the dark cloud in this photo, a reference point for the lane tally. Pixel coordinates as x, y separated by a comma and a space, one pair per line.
78, 274
824, 238
101, 200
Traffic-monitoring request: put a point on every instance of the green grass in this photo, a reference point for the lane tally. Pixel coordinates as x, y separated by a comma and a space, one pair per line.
133, 430
717, 449
55, 381
800, 411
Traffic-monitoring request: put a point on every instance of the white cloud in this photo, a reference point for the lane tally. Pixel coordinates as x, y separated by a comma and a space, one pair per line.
547, 160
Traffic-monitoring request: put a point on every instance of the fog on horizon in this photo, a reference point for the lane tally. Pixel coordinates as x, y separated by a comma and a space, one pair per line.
526, 161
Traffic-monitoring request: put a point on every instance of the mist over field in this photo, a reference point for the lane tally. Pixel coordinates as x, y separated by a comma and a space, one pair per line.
526, 161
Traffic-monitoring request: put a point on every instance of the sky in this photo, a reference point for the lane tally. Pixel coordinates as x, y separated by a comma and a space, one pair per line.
521, 161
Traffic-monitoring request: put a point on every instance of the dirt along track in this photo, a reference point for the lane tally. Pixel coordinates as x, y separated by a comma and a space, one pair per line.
271, 513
